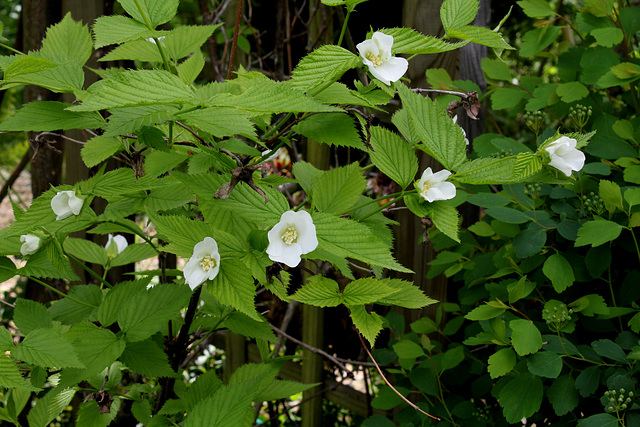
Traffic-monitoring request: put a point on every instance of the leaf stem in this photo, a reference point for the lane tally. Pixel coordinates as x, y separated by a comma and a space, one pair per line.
70, 298
344, 26
88, 270
11, 49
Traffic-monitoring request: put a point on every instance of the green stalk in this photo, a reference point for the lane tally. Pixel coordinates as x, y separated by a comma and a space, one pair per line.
147, 22
344, 27
372, 201
70, 298
11, 49
88, 270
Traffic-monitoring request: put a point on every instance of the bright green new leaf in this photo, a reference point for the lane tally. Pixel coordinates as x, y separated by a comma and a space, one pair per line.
559, 271
147, 358
30, 315
86, 250
322, 67
479, 35
572, 91
191, 68
626, 70
97, 348
339, 189
457, 13
133, 88
445, 218
229, 406
608, 37
484, 312
144, 50
545, 364
624, 129
525, 337
562, 395
50, 116
151, 12
366, 291
406, 295
598, 232
343, 131
47, 348
129, 120
610, 194
407, 349
501, 362
253, 206
67, 41
186, 39
117, 29
521, 397
409, 41
320, 292
368, 324
98, 149
393, 156
204, 386
536, 8
234, 286
599, 8
435, 128
59, 78
487, 171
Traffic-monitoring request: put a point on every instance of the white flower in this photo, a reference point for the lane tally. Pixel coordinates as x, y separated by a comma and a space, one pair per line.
115, 244
455, 120
376, 55
565, 156
66, 203
30, 244
432, 186
204, 264
292, 237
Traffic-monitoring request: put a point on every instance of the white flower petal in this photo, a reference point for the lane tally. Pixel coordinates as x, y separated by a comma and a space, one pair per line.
194, 273
448, 190
30, 245
376, 55
367, 47
440, 176
384, 42
391, 70
564, 155
433, 187
290, 251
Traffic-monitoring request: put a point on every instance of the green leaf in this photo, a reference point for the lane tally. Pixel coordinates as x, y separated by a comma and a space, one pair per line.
536, 8
97, 348
366, 291
234, 286
406, 295
267, 96
220, 121
562, 395
393, 156
486, 171
86, 250
128, 120
133, 88
6, 340
410, 41
70, 312
609, 349
185, 40
608, 37
437, 131
610, 194
526, 165
572, 91
497, 69
479, 35
525, 337
456, 13
98, 149
545, 364
343, 131
445, 218
508, 215
146, 313
599, 8
598, 232
241, 324
50, 406
588, 381
229, 406
521, 397
118, 29
47, 348
10, 376
347, 238
89, 413
624, 129
484, 312
339, 189
150, 12
599, 420
204, 386
132, 254
368, 324
322, 67
30, 315
320, 292
559, 271
407, 349
50, 262
109, 310
501, 362
50, 116
190, 69
251, 205
65, 77
147, 358
67, 41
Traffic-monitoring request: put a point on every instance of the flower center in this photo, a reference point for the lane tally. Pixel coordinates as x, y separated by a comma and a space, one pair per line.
207, 263
375, 59
425, 187
290, 235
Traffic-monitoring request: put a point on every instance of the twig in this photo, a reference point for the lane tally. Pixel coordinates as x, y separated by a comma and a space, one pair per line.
413, 405
15, 174
234, 43
7, 303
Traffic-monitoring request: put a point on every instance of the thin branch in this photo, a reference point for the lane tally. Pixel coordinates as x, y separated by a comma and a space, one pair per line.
234, 43
15, 174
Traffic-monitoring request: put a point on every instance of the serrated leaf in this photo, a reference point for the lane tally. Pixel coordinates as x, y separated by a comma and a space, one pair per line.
50, 406
343, 131
322, 67
486, 171
133, 88
49, 262
339, 189
59, 78
133, 253
109, 310
501, 362
144, 50
559, 271
241, 324
406, 295
393, 156
147, 358
229, 406
97, 348
320, 292
521, 397
49, 116
30, 315
186, 39
89, 413
526, 165
221, 121
47, 348
347, 238
536, 8
204, 386
456, 13
10, 376
146, 313
128, 120
191, 68
525, 337
479, 35
67, 41
436, 130
596, 233
410, 41
562, 395
234, 286
172, 195
98, 149
445, 218
118, 29
86, 250
70, 312
545, 364
151, 12
248, 203
368, 324
366, 291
